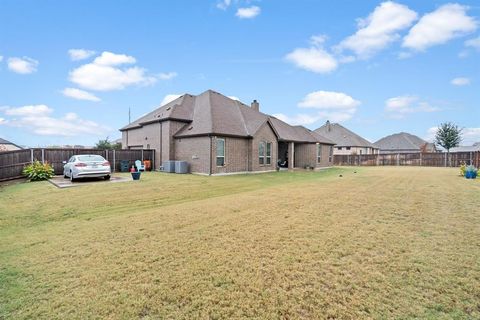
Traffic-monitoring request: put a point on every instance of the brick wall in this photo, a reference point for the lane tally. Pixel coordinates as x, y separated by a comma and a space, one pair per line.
265, 134
196, 151
236, 155
158, 136
306, 155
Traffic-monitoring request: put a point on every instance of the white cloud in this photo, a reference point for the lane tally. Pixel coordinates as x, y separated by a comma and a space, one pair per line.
79, 94
334, 106
2, 121
224, 4
299, 119
328, 100
169, 98
314, 59
167, 76
113, 59
1, 58
399, 107
473, 43
248, 13
104, 73
460, 81
470, 136
234, 98
379, 29
445, 23
80, 54
23, 65
37, 119
27, 111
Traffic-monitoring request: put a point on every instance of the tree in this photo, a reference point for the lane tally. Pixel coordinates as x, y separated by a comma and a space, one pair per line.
448, 136
108, 145
103, 144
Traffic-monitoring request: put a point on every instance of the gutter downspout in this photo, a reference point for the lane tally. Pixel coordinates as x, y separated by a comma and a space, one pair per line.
210, 172
161, 144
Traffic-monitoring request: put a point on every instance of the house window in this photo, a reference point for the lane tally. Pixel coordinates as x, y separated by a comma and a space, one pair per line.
348, 148
220, 152
319, 152
261, 152
330, 155
268, 159
264, 153
339, 148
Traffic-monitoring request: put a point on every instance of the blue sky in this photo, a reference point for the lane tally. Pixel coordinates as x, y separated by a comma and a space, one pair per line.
70, 70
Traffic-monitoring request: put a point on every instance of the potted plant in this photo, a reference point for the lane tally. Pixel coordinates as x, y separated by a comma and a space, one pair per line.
471, 172
135, 174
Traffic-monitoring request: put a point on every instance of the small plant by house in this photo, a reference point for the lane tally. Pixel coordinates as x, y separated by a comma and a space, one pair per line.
463, 168
38, 171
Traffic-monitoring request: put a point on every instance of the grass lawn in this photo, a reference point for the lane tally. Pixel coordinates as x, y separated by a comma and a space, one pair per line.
382, 243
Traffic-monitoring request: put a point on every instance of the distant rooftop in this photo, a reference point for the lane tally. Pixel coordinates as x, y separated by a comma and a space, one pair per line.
342, 136
401, 141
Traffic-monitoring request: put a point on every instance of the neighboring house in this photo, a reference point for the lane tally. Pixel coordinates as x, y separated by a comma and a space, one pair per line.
216, 135
6, 145
346, 141
404, 143
473, 148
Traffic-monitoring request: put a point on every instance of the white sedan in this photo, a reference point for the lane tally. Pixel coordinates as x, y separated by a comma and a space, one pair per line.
86, 166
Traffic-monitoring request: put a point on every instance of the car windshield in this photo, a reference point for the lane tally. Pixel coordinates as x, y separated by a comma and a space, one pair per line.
90, 157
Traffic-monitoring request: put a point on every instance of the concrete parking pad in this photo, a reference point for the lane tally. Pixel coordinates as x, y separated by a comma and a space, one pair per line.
61, 182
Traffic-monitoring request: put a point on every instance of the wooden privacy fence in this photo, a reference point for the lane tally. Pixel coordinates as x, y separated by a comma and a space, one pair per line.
13, 162
409, 159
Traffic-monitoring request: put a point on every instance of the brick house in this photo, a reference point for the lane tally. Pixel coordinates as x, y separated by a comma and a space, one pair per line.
218, 135
346, 142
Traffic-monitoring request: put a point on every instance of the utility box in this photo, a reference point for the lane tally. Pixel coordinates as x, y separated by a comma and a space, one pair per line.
181, 167
169, 166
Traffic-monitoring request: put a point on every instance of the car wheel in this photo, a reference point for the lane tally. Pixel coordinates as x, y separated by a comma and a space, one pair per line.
65, 176
72, 179
107, 177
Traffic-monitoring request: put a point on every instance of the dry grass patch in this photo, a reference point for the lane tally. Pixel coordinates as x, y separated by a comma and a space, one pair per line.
381, 243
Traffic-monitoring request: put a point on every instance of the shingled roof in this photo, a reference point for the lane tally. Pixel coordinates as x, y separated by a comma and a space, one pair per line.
3, 141
343, 137
212, 113
401, 141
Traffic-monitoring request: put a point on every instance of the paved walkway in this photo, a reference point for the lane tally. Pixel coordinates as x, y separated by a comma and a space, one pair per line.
61, 182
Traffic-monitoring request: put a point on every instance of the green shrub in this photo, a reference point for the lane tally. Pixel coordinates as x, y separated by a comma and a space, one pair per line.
38, 171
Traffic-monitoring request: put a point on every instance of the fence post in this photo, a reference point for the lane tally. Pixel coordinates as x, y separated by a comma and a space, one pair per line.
114, 168
421, 159
398, 159
106, 154
43, 155
142, 155
31, 155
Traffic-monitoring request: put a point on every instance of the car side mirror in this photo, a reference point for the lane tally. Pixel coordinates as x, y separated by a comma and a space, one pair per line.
64, 162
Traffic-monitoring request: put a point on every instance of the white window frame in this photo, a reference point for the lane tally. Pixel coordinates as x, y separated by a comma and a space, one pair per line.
261, 158
224, 151
319, 153
265, 159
